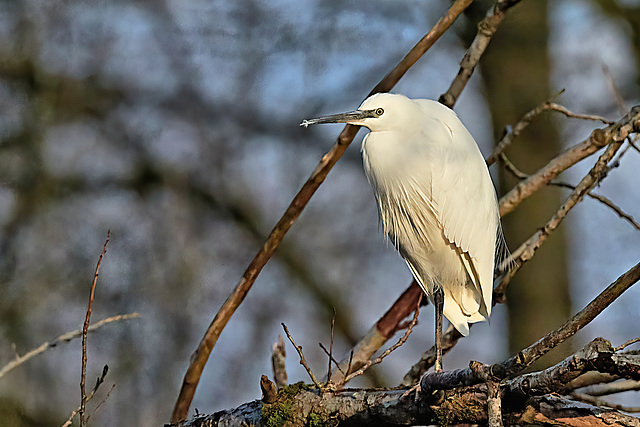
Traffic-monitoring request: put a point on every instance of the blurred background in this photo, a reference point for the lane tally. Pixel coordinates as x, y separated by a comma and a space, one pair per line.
175, 124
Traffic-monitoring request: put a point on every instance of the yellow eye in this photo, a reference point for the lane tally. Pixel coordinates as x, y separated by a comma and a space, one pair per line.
379, 112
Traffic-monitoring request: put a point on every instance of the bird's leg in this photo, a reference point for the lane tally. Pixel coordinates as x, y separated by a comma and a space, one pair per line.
438, 302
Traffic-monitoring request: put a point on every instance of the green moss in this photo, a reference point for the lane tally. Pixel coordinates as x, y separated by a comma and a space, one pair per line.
276, 414
314, 420
290, 391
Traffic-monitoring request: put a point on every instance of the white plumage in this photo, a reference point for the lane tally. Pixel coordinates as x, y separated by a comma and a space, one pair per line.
435, 196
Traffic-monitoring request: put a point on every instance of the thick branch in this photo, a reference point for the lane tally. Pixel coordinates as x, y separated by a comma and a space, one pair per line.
525, 399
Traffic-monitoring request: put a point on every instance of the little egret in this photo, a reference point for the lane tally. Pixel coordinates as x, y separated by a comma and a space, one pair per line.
436, 201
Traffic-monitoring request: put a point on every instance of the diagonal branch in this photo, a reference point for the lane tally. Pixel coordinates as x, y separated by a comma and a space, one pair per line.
599, 138
201, 354
597, 173
511, 133
66, 337
486, 29
515, 364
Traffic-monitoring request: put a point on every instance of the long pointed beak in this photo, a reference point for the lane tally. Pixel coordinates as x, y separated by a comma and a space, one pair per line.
350, 117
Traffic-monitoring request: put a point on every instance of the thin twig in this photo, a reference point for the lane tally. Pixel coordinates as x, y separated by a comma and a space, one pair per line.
387, 352
599, 138
333, 321
102, 402
85, 330
486, 29
333, 359
614, 89
303, 361
527, 249
66, 337
99, 382
626, 344
350, 360
206, 345
605, 201
564, 110
382, 331
512, 132
511, 168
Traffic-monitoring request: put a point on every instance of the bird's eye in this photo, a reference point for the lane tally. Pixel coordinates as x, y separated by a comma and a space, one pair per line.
379, 112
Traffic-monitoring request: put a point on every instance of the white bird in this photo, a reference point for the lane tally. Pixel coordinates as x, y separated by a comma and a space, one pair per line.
436, 201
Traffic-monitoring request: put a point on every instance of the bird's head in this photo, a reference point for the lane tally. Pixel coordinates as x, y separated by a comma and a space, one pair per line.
379, 112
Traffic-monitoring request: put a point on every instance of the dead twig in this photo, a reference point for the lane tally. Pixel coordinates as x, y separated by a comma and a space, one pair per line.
85, 330
626, 344
384, 329
614, 89
99, 382
597, 173
66, 337
201, 354
333, 321
599, 138
333, 359
303, 361
605, 201
511, 168
102, 402
486, 29
387, 352
511, 133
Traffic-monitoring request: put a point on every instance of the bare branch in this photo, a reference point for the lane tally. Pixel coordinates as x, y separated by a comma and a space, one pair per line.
303, 361
333, 321
605, 201
627, 344
99, 382
381, 332
388, 351
85, 330
614, 89
333, 359
512, 133
525, 398
597, 173
599, 138
526, 357
66, 337
486, 29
